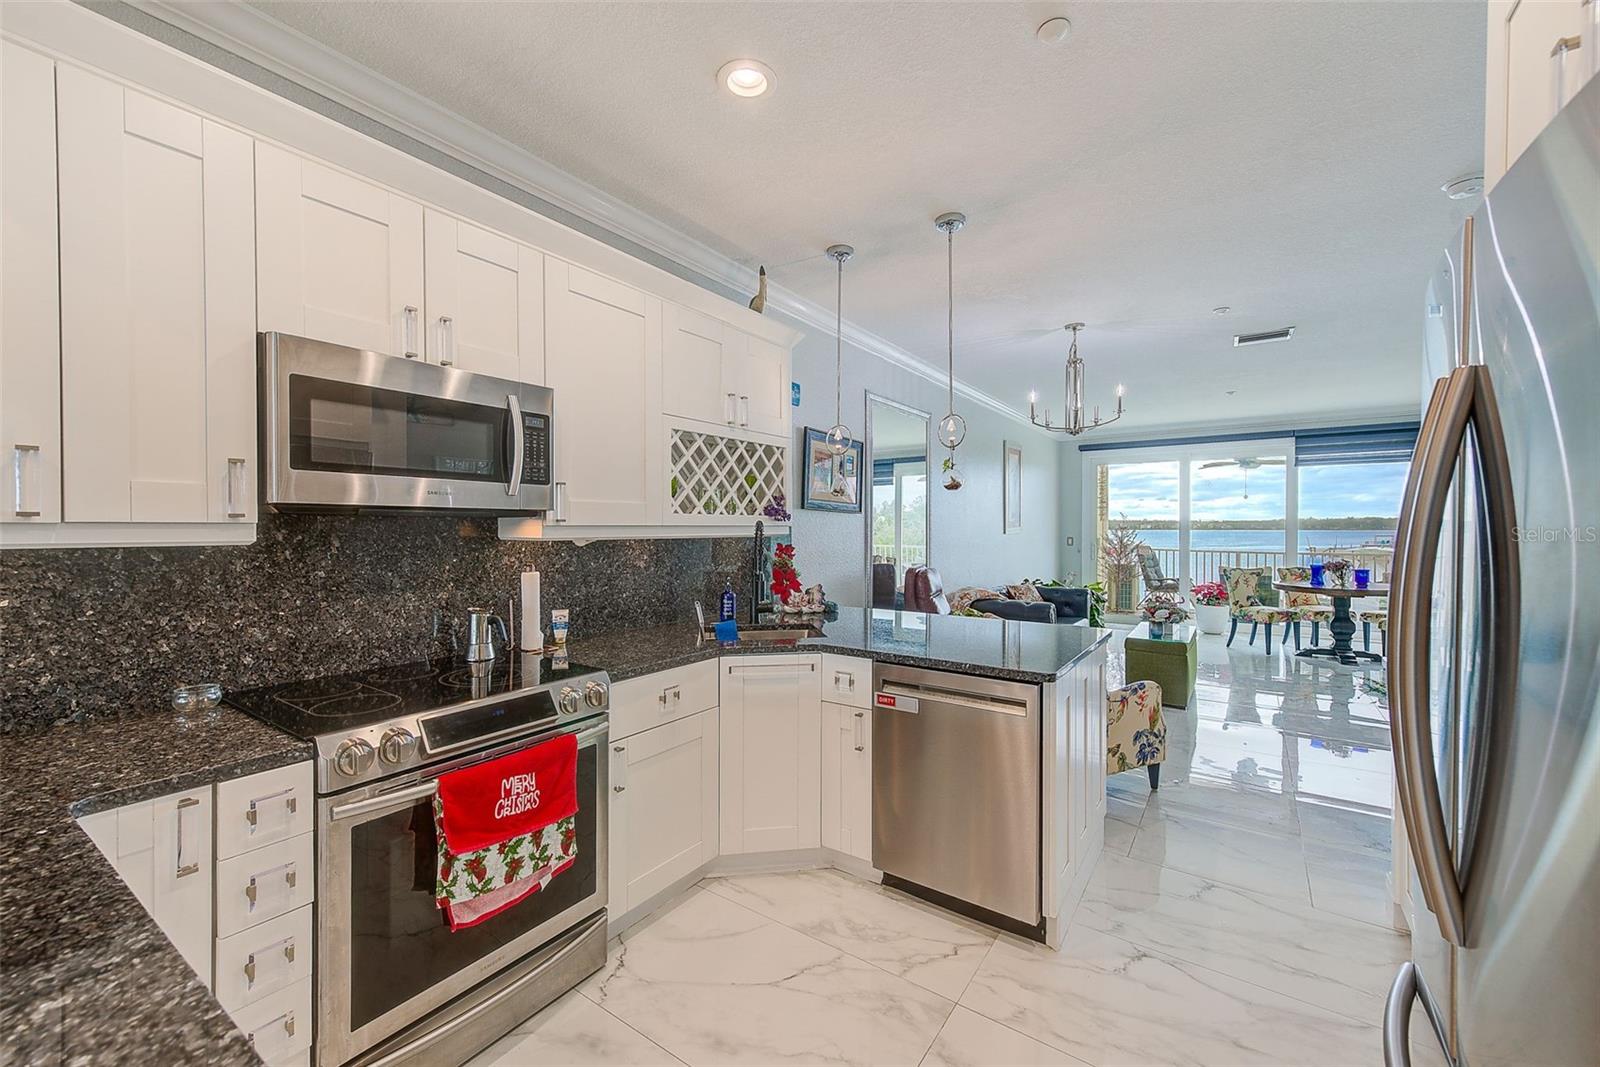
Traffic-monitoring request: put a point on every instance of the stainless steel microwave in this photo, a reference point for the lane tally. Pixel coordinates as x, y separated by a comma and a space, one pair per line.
343, 429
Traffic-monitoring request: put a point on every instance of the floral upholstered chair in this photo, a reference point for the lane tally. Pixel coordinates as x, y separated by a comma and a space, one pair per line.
1247, 589
1136, 731
1378, 617
1306, 607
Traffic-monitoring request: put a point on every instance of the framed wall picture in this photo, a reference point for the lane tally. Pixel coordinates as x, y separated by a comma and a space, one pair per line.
829, 482
1012, 487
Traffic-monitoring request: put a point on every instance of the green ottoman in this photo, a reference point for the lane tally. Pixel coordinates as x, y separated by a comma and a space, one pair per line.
1170, 661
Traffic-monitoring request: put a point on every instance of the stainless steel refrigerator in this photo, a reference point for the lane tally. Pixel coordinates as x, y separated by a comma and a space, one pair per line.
1494, 630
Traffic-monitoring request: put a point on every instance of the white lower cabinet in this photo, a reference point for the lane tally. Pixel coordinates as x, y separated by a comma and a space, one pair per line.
847, 780
663, 810
771, 753
1074, 758
228, 872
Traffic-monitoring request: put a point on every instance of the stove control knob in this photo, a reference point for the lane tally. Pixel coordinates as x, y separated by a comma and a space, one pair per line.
353, 757
397, 745
569, 702
594, 694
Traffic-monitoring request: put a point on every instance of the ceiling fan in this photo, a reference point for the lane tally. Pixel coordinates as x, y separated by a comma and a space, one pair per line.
1245, 464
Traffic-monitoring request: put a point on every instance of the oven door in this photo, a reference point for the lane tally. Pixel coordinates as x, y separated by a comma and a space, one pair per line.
345, 428
385, 955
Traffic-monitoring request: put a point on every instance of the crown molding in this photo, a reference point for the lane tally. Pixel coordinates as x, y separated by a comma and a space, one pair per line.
286, 53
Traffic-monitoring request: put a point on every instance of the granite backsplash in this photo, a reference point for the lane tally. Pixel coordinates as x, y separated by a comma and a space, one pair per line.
96, 633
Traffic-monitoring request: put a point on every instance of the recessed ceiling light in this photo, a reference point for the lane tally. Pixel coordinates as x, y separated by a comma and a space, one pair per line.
746, 77
1054, 31
1222, 309
1468, 185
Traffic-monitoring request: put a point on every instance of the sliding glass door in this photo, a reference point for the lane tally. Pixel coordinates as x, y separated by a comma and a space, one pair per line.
1265, 502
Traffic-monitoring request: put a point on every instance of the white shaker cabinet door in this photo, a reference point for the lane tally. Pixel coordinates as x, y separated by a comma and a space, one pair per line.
771, 754
847, 780
603, 359
695, 349
338, 259
181, 903
667, 778
758, 374
485, 301
30, 314
157, 310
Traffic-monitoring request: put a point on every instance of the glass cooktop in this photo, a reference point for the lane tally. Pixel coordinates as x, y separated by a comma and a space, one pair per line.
343, 702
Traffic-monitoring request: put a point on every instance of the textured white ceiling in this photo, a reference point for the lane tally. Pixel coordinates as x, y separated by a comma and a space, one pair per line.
1282, 158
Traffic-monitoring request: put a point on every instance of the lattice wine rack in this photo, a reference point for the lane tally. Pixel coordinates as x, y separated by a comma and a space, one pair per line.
722, 477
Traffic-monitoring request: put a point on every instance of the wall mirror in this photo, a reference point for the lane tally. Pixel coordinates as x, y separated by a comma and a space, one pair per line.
898, 519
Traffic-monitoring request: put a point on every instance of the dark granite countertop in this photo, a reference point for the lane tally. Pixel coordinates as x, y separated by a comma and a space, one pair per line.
989, 648
86, 976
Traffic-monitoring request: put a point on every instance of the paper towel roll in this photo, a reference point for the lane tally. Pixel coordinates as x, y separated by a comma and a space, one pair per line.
532, 637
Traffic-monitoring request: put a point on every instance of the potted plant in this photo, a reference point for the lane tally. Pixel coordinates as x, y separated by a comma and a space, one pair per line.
1161, 611
1119, 558
1211, 607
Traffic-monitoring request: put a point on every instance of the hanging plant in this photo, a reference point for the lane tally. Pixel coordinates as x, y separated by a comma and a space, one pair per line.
952, 473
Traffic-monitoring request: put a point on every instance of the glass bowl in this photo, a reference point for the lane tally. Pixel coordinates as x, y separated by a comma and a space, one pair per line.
196, 697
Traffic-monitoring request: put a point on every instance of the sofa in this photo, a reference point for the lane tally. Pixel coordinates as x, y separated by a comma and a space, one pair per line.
1068, 607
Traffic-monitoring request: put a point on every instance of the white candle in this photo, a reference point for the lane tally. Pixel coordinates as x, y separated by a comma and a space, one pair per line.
531, 638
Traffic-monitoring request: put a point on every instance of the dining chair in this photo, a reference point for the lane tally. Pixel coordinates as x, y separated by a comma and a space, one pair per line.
1304, 607
1245, 591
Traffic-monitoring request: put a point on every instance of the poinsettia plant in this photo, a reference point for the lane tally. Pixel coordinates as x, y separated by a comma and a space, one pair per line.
785, 579
1210, 594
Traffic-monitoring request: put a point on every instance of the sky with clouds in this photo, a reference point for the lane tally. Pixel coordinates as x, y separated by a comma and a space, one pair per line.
1150, 491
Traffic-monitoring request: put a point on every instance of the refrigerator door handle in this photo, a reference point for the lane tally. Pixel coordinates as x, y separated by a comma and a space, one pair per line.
1411, 601
1403, 995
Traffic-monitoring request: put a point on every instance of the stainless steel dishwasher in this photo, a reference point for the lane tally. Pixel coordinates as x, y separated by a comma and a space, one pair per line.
955, 789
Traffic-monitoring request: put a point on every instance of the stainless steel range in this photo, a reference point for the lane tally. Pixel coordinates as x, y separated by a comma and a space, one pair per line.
394, 983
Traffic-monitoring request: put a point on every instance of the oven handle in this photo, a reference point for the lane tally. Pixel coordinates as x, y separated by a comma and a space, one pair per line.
412, 793
514, 419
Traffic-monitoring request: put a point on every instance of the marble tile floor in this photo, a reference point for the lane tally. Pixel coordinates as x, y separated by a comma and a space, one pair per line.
1238, 916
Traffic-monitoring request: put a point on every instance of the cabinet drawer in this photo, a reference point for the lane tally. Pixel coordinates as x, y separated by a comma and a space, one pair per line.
263, 959
264, 883
279, 1025
263, 808
666, 696
846, 680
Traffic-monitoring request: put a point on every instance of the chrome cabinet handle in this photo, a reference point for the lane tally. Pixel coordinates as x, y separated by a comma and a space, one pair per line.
24, 459
744, 411
250, 968
235, 488
558, 502
785, 668
621, 765
410, 320
286, 1020
861, 740
844, 682
730, 409
447, 341
515, 443
252, 814
184, 870
1559, 51
252, 891
672, 694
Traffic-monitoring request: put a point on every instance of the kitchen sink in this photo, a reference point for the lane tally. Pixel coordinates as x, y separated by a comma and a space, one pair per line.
770, 636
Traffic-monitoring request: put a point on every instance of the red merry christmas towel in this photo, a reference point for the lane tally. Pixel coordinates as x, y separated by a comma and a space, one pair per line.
514, 795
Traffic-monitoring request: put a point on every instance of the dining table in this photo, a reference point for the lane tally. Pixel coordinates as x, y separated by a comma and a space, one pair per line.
1343, 626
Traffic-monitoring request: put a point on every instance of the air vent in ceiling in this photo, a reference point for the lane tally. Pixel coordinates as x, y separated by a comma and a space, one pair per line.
1242, 339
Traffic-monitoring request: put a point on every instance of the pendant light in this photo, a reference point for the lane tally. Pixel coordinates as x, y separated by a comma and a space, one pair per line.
839, 434
952, 428
1075, 424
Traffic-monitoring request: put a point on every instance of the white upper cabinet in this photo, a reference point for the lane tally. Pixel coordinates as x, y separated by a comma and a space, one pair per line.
696, 349
338, 259
1541, 52
716, 373
30, 312
157, 310
760, 379
603, 359
485, 300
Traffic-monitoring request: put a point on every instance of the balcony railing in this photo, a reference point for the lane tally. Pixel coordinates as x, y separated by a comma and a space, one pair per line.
1205, 565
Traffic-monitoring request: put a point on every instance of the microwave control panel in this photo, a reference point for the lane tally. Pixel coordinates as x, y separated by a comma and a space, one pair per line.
535, 449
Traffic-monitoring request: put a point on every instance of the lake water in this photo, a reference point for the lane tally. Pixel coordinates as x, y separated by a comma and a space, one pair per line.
1265, 540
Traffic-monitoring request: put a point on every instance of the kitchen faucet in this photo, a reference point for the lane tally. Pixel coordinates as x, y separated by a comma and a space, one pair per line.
755, 575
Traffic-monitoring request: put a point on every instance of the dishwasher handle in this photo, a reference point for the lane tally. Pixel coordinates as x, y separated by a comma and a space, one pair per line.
917, 693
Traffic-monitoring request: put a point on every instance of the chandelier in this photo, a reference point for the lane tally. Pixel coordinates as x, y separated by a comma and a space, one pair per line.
1075, 423
839, 434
